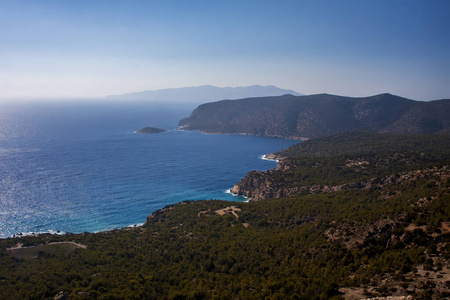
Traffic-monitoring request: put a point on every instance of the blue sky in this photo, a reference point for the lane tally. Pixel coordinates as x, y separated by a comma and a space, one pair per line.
72, 49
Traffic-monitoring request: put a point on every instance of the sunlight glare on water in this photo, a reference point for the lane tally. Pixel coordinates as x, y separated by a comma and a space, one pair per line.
80, 167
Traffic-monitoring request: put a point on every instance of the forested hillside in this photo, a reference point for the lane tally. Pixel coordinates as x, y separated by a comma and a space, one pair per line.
345, 161
388, 238
313, 116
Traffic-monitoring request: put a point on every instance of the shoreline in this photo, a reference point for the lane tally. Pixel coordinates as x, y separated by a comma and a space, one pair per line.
267, 157
61, 233
131, 226
247, 199
270, 157
245, 134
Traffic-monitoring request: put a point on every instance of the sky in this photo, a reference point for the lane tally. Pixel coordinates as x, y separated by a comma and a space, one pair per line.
87, 49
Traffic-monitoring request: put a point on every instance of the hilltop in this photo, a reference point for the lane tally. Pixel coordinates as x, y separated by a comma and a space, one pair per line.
304, 117
204, 93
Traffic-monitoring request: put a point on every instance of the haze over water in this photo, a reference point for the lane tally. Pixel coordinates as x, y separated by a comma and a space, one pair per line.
78, 167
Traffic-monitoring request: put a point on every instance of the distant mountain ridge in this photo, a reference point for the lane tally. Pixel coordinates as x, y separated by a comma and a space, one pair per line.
205, 93
312, 116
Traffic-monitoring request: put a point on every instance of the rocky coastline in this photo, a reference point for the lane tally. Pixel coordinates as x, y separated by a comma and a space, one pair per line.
281, 136
258, 185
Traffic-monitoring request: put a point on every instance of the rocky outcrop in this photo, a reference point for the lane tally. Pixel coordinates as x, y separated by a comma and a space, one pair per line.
258, 185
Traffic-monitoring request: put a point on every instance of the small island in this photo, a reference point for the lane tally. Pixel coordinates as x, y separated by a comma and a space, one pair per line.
150, 130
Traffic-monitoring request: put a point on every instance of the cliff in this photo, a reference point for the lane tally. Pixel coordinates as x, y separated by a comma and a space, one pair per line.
260, 185
303, 117
345, 161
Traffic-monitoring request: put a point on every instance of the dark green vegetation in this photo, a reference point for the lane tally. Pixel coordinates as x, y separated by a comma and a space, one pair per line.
391, 237
345, 161
150, 130
356, 143
320, 115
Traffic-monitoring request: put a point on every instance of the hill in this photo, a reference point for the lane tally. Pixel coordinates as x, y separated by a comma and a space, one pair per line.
358, 143
205, 93
391, 237
303, 117
345, 161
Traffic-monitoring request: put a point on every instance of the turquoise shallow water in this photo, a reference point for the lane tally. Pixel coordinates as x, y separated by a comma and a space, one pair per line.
77, 167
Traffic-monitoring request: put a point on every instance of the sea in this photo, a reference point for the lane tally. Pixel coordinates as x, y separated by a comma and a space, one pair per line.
76, 166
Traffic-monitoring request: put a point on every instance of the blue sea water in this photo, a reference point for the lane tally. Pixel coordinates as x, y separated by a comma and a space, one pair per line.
79, 166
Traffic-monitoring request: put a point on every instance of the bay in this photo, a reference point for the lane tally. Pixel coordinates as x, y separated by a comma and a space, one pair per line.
78, 166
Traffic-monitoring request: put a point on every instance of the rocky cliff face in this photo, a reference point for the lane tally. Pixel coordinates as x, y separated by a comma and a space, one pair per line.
260, 185
303, 117
347, 161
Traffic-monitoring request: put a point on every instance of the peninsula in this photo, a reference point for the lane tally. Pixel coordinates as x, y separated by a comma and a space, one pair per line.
304, 117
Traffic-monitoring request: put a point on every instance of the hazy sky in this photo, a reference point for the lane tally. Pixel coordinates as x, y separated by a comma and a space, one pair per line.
70, 49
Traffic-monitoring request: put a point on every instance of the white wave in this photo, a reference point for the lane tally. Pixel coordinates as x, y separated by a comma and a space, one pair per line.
135, 225
264, 157
236, 195
37, 233
17, 150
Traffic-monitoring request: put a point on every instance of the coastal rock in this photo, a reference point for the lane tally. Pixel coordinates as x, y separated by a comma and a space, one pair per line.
150, 130
258, 185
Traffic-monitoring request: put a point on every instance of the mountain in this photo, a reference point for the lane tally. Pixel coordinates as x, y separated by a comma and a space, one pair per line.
205, 93
312, 116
